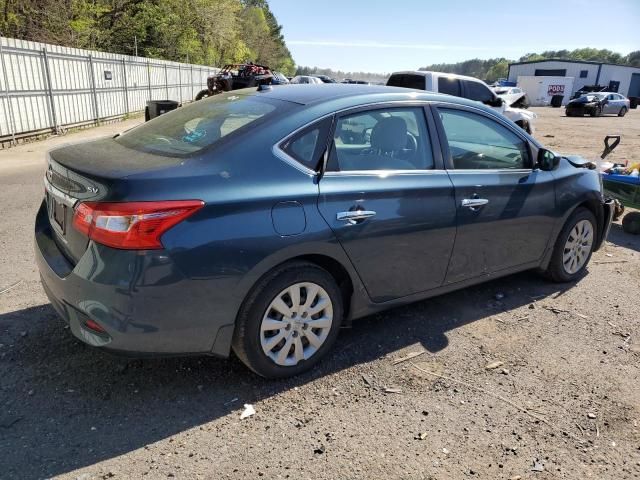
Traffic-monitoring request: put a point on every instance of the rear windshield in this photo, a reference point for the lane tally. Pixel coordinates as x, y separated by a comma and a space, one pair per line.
407, 81
197, 126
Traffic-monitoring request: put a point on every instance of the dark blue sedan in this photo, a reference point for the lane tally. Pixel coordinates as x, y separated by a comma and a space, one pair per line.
262, 221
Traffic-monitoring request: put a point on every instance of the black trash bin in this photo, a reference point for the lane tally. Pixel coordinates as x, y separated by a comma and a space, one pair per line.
633, 102
556, 101
156, 108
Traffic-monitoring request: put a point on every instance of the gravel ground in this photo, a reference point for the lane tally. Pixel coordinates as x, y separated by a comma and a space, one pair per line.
563, 400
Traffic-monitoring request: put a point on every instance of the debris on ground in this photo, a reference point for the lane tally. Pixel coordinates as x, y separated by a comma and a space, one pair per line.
407, 357
320, 450
537, 466
420, 436
10, 287
591, 415
367, 380
248, 411
392, 390
493, 365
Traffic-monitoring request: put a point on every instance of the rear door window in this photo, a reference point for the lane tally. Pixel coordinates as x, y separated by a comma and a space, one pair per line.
191, 129
477, 91
407, 81
449, 86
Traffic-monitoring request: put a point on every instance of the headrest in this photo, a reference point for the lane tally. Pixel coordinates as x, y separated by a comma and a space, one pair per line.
389, 134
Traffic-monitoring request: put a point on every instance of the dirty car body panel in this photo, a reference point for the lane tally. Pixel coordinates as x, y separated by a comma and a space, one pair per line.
261, 206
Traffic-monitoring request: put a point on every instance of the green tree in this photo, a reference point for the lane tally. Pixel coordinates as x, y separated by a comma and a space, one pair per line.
199, 31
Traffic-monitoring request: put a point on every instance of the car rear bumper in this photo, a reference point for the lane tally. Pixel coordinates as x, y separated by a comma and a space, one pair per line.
140, 298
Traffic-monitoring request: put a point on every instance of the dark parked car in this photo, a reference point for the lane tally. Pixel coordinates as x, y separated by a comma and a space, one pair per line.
596, 104
325, 78
263, 220
588, 89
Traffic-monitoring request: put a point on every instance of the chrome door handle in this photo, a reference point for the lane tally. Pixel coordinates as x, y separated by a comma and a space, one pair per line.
474, 203
354, 216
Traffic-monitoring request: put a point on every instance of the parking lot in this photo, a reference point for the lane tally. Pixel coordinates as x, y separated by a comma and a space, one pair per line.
515, 379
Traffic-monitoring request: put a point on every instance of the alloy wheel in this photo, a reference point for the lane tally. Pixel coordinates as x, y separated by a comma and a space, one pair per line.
577, 247
296, 323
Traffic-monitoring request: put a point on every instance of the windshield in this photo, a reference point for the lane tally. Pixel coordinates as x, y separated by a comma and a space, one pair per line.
195, 127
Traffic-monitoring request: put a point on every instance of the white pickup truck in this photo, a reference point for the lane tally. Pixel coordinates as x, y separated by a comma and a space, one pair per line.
462, 86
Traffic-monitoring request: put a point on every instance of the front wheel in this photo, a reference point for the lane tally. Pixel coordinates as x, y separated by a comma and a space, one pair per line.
596, 112
573, 247
289, 321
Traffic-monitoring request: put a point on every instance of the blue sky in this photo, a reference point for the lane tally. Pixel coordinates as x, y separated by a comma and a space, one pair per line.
389, 35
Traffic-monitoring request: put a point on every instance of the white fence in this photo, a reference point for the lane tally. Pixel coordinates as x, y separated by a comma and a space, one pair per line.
48, 87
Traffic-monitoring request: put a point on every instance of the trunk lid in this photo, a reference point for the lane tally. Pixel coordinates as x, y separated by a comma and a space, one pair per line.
89, 172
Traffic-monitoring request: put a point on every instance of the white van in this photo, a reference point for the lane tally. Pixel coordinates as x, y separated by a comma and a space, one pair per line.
462, 86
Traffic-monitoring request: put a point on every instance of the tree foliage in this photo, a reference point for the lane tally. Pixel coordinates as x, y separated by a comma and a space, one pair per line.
212, 32
339, 75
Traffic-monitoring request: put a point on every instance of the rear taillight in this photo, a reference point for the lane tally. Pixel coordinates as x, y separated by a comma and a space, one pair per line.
134, 225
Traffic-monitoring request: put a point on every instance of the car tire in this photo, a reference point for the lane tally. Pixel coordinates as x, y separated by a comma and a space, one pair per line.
631, 223
524, 125
202, 94
570, 254
622, 112
596, 112
258, 322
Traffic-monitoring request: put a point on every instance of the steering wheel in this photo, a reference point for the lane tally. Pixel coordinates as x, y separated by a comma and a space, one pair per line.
411, 147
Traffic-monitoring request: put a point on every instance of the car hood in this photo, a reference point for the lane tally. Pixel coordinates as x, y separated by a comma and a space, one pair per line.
521, 112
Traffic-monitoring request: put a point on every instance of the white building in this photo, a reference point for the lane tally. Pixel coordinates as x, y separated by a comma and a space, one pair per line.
617, 78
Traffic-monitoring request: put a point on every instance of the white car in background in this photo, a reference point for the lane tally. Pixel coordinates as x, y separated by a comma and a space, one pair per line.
305, 80
513, 96
463, 86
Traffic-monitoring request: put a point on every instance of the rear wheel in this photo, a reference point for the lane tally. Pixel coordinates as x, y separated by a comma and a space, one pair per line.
631, 223
289, 321
202, 94
573, 247
622, 112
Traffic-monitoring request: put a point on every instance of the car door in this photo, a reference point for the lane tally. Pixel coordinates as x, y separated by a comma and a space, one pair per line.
612, 105
505, 208
388, 199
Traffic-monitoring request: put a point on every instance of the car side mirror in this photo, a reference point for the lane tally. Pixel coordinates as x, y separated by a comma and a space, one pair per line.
547, 160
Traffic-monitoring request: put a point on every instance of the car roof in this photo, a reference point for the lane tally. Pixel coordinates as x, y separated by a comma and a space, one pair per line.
424, 73
310, 94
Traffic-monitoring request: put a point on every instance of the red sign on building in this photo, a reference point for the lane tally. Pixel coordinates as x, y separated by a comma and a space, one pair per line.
555, 89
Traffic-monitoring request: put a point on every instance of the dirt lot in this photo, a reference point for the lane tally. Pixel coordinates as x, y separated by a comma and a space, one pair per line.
564, 403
